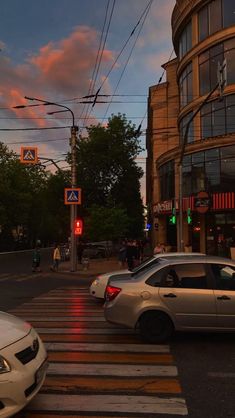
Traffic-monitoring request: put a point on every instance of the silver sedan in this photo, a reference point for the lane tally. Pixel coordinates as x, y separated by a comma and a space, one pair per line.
195, 293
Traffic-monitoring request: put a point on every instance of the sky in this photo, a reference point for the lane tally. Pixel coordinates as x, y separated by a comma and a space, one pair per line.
48, 50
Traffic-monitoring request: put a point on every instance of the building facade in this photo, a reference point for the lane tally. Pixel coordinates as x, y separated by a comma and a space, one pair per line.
203, 35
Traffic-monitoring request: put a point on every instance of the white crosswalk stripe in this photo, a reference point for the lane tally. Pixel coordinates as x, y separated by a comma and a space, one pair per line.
97, 369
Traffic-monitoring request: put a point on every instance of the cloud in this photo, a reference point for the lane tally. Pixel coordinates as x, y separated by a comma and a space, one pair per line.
58, 70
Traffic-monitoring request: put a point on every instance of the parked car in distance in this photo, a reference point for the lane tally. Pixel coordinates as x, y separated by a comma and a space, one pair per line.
98, 285
194, 293
23, 364
94, 251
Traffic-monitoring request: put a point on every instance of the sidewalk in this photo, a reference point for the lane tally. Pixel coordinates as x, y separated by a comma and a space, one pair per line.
96, 266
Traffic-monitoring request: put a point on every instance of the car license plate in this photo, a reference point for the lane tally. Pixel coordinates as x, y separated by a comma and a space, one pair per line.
41, 372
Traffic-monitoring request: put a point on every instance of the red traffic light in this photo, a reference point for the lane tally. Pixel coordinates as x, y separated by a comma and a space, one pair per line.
78, 227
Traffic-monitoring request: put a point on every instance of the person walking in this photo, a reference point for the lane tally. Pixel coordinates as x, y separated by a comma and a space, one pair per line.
56, 258
122, 254
36, 260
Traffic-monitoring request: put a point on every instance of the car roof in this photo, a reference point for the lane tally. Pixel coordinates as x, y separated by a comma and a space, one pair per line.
197, 259
178, 254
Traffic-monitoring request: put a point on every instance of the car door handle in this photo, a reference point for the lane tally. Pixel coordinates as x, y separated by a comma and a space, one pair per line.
223, 297
170, 295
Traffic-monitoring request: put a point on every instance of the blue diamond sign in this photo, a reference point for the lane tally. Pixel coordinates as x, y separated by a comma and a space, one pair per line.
72, 196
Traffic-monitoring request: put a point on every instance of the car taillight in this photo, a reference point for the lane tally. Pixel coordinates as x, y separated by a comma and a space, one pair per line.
111, 292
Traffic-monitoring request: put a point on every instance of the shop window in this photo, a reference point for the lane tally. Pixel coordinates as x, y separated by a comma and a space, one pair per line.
227, 168
212, 168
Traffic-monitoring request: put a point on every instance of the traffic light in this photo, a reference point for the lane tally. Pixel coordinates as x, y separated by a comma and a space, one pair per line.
189, 216
172, 219
78, 227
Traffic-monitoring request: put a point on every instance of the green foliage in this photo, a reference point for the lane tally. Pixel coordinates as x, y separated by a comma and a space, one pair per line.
108, 173
106, 223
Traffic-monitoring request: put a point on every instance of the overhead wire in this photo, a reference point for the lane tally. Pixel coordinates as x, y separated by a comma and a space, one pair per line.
100, 52
120, 52
129, 56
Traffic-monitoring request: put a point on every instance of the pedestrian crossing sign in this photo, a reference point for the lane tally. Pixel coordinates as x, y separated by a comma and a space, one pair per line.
72, 196
29, 155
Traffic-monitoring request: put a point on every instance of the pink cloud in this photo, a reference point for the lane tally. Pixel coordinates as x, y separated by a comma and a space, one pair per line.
59, 70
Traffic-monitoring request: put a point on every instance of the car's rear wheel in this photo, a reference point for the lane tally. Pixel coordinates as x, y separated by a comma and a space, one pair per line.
155, 327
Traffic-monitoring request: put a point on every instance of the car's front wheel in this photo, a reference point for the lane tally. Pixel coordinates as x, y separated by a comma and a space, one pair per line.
155, 327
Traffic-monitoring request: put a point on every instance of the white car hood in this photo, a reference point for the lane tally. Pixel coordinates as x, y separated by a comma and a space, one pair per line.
12, 329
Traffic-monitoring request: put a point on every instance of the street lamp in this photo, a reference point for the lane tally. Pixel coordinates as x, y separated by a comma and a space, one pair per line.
73, 143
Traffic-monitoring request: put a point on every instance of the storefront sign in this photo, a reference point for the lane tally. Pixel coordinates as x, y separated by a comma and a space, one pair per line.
162, 207
202, 202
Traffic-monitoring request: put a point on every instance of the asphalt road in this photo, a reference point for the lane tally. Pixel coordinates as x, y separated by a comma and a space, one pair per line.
205, 362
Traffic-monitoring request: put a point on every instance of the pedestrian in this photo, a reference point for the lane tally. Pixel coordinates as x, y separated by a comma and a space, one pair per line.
122, 254
130, 254
158, 249
56, 258
36, 259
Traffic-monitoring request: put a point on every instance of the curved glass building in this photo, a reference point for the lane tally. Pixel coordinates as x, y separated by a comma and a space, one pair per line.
203, 34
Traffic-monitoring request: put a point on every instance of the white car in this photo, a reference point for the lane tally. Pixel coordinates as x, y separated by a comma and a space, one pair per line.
98, 286
23, 364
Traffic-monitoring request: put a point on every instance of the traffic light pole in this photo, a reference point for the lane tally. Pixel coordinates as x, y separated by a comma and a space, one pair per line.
73, 209
73, 144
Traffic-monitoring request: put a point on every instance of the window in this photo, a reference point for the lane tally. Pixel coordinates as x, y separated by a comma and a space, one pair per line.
224, 276
228, 13
229, 54
216, 15
218, 117
203, 23
184, 121
227, 168
157, 277
185, 41
186, 86
186, 276
212, 170
167, 180
208, 63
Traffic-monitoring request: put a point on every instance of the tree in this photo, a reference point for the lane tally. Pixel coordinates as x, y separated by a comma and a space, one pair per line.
114, 227
107, 170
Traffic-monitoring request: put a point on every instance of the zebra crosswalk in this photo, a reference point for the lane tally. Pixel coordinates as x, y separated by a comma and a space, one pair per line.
97, 369
21, 277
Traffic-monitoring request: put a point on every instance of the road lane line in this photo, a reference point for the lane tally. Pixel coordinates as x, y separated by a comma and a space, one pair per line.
69, 319
143, 385
126, 348
84, 331
109, 404
121, 358
125, 370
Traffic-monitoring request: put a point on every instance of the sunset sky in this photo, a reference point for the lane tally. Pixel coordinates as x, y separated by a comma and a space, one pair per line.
49, 50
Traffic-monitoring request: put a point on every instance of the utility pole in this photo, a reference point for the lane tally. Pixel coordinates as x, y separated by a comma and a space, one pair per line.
73, 208
73, 145
222, 81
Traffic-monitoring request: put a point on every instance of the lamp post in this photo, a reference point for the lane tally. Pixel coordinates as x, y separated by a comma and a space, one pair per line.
73, 143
